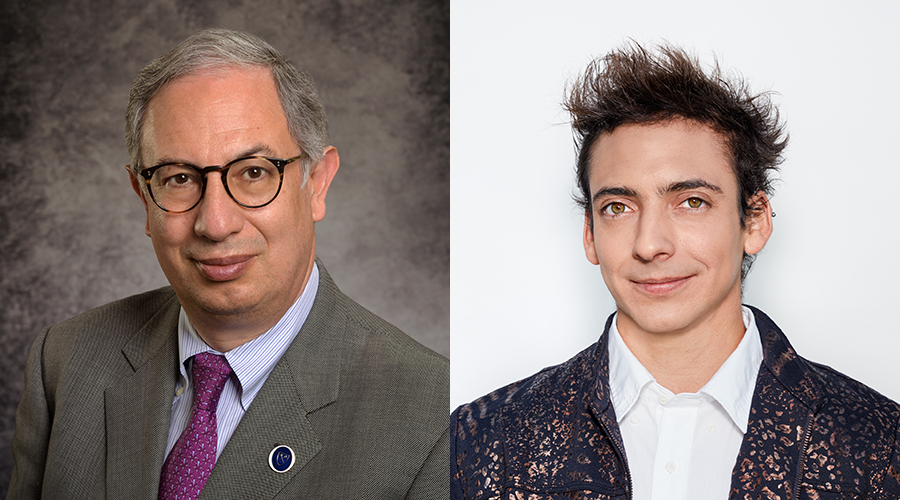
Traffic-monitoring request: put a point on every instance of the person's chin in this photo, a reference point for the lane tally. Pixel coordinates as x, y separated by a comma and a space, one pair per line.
658, 316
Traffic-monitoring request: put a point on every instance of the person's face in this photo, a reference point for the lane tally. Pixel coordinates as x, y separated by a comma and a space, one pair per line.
229, 264
667, 233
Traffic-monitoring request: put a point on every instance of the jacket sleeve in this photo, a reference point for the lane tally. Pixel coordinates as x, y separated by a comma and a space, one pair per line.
33, 423
432, 481
891, 483
456, 490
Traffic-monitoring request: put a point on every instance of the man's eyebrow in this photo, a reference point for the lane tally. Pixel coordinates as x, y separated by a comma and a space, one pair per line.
688, 185
255, 150
671, 188
613, 191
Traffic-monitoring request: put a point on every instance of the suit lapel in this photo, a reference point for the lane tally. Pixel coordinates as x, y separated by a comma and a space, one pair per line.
306, 379
138, 409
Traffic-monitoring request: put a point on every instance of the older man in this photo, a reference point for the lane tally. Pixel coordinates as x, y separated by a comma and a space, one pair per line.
253, 376
687, 394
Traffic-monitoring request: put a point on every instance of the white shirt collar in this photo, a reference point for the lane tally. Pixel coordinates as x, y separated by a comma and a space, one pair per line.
253, 361
732, 385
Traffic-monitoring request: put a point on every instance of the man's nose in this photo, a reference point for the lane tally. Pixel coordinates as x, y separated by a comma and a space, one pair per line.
218, 216
653, 239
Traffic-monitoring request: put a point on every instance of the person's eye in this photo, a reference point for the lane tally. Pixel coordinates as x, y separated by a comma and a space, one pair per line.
179, 180
615, 208
693, 203
254, 174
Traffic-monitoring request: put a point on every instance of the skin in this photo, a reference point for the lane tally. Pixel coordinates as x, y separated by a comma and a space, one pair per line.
235, 270
669, 243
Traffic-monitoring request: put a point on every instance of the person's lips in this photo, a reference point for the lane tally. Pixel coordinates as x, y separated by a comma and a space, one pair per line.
661, 286
224, 268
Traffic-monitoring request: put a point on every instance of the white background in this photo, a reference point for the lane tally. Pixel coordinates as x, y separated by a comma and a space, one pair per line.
523, 296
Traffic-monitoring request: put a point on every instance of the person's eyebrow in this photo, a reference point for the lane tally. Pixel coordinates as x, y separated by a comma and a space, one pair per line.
255, 150
688, 185
613, 191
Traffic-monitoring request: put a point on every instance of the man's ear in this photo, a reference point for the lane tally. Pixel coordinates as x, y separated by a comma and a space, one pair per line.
590, 251
320, 178
758, 224
136, 186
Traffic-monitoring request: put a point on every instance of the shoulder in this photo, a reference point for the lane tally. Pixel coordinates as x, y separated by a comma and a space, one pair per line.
842, 394
498, 435
366, 334
852, 435
851, 413
551, 390
109, 326
829, 393
381, 367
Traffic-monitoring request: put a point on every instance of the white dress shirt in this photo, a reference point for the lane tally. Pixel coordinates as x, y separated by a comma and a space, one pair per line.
683, 446
250, 364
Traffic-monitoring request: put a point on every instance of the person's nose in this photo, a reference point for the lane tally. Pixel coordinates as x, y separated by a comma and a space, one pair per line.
654, 236
218, 216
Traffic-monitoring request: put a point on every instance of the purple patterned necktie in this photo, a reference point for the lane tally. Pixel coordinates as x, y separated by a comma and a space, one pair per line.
192, 458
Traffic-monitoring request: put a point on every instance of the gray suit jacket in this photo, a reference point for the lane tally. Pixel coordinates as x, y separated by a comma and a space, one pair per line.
363, 406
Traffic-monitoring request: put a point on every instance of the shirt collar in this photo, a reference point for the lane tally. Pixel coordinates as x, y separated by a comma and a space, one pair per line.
732, 386
627, 376
253, 361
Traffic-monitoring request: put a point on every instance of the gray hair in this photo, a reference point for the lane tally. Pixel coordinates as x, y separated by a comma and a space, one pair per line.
217, 48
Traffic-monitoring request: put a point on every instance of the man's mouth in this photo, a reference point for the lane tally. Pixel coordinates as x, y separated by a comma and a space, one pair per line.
661, 286
224, 268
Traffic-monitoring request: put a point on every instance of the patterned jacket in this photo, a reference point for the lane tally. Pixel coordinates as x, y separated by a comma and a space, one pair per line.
813, 434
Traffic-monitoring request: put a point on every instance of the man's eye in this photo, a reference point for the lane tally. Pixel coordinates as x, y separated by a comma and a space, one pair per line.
693, 203
615, 208
179, 180
254, 174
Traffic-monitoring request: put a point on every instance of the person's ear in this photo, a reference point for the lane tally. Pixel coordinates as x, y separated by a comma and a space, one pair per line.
757, 224
320, 178
590, 250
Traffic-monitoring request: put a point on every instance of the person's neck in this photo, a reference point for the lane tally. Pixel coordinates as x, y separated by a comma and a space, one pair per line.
683, 361
224, 337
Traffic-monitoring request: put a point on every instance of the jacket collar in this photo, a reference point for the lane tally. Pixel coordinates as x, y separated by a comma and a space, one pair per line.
783, 362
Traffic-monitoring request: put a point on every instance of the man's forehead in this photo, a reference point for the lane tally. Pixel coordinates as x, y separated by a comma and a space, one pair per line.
229, 108
657, 156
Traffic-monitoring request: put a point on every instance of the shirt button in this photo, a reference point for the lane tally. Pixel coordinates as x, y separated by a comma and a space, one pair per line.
662, 400
671, 467
635, 420
712, 429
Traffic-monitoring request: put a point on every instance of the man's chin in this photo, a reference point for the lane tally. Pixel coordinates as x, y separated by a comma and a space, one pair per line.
221, 304
658, 320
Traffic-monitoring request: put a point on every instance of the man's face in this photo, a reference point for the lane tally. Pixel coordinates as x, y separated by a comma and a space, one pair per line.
232, 266
667, 233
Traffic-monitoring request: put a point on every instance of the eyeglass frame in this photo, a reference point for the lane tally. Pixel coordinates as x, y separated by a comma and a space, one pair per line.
279, 164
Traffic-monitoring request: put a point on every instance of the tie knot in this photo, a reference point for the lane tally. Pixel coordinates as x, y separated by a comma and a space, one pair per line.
210, 372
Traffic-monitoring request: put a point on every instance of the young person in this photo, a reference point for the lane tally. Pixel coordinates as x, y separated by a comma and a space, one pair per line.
687, 393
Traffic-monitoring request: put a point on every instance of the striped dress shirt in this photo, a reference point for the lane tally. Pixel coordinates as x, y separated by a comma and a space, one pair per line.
251, 364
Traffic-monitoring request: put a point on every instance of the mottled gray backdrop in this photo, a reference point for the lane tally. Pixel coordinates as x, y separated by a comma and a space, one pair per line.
71, 229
